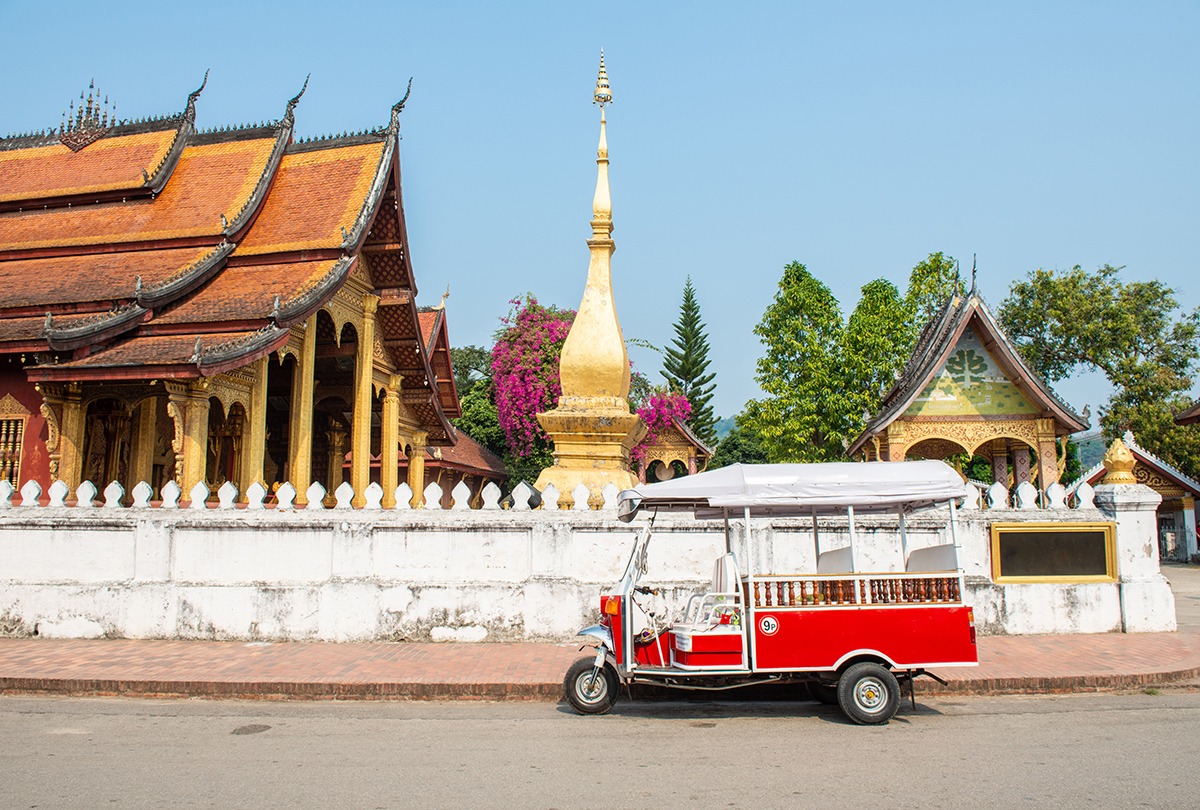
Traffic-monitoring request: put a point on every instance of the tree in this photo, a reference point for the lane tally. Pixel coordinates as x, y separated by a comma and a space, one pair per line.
740, 446
471, 364
805, 416
931, 284
878, 340
479, 419
1134, 333
525, 381
686, 364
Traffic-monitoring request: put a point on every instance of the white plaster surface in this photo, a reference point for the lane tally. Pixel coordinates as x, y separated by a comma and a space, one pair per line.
469, 575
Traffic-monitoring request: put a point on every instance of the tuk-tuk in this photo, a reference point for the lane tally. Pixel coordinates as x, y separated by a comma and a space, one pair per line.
853, 636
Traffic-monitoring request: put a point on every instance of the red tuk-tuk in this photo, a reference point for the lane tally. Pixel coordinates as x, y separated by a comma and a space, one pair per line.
854, 636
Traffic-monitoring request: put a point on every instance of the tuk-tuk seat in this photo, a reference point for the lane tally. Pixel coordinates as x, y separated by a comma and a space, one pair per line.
704, 610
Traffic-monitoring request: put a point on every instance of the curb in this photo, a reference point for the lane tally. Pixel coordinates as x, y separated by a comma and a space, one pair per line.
318, 691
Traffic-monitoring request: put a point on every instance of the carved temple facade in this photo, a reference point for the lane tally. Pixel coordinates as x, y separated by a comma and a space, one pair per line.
222, 305
966, 390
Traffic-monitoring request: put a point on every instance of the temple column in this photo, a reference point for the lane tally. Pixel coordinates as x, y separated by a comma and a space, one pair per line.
1020, 460
301, 416
1189, 525
336, 437
895, 442
364, 400
254, 435
1047, 452
999, 463
141, 454
389, 445
416, 469
62, 406
188, 407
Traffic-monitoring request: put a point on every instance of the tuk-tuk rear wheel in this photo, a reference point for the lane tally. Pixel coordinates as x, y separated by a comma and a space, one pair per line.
868, 693
588, 690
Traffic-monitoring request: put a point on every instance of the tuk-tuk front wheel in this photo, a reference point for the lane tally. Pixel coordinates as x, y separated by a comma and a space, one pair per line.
868, 693
590, 690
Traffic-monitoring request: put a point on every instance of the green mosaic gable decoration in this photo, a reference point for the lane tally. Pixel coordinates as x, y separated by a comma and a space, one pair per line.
971, 383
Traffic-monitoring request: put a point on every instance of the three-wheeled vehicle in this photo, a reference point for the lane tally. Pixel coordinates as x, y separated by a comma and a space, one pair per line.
854, 636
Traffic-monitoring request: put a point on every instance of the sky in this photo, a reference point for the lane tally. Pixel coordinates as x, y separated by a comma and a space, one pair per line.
854, 138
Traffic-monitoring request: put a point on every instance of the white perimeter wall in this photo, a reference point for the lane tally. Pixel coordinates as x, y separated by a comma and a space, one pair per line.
466, 575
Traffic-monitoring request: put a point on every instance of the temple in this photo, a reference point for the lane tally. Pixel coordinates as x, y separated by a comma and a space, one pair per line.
221, 305
966, 390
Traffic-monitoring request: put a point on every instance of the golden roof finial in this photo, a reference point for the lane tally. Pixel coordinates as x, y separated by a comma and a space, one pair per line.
603, 94
1119, 463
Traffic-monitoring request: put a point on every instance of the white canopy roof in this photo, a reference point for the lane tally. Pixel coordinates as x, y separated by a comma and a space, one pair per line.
790, 490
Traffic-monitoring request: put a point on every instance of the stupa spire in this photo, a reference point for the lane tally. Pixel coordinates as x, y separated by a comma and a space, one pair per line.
591, 427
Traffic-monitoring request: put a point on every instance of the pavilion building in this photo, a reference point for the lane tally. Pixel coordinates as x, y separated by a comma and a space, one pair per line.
966, 390
221, 305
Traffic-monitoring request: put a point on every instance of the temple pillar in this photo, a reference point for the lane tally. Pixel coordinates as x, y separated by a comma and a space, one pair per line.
895, 446
141, 454
364, 400
1020, 460
416, 469
301, 416
1189, 525
1047, 451
999, 463
1147, 604
187, 405
62, 406
254, 434
336, 439
389, 445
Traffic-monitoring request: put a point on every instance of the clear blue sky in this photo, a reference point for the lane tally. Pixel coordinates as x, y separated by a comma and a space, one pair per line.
856, 138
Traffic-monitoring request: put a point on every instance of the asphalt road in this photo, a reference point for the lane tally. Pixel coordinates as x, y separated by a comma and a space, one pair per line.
1076, 751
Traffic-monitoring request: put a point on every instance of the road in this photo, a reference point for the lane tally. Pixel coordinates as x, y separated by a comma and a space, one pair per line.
1078, 750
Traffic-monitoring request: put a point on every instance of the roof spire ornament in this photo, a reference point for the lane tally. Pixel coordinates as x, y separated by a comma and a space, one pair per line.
603, 94
87, 123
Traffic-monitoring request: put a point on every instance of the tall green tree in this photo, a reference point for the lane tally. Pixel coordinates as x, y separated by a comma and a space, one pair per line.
877, 342
931, 283
805, 414
1133, 332
685, 366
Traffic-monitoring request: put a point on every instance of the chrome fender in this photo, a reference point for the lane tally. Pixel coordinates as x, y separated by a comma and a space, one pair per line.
600, 633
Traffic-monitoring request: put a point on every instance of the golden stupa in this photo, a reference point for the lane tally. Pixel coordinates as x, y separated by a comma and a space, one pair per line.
592, 428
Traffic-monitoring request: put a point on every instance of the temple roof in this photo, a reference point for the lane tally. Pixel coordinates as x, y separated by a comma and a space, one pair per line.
468, 455
934, 347
89, 158
149, 249
1191, 415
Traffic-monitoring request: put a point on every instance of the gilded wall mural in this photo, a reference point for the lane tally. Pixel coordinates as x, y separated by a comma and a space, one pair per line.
971, 383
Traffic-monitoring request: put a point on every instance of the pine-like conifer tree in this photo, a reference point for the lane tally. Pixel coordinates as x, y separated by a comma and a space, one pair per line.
686, 365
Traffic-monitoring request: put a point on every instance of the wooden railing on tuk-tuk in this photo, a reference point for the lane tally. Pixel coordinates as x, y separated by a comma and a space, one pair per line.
863, 589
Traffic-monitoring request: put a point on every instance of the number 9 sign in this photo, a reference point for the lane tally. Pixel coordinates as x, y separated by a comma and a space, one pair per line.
767, 625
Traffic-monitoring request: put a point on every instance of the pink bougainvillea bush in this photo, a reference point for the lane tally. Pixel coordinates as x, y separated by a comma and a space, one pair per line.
525, 370
658, 413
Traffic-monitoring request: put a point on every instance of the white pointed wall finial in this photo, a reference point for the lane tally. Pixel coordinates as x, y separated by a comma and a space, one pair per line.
603, 94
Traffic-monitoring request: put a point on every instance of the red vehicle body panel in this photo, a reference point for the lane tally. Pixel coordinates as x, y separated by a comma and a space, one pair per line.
822, 638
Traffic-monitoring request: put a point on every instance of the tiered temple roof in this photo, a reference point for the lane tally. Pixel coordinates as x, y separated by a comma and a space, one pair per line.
131, 251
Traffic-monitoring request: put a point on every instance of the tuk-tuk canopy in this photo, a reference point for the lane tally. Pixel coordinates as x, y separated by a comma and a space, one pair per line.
801, 490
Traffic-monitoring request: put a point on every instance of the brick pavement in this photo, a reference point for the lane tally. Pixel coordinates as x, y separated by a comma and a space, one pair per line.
1008, 664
